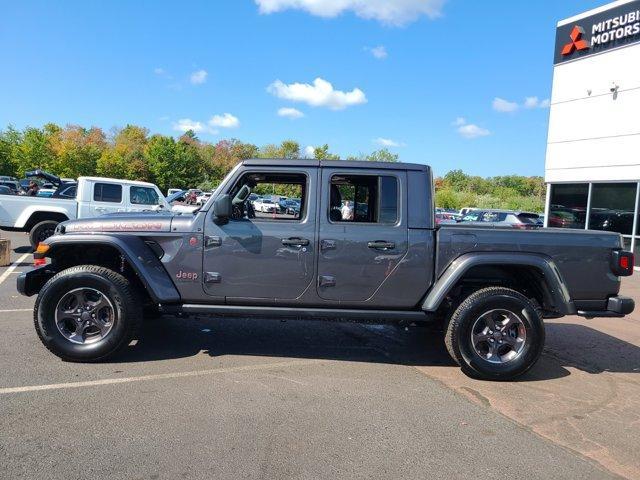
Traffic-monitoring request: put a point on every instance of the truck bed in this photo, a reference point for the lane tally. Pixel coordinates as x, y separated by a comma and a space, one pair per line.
15, 210
579, 255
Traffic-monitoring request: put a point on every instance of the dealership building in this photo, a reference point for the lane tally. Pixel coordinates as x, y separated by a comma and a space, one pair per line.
592, 167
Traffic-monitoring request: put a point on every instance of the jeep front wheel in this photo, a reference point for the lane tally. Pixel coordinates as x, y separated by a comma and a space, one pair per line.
86, 313
495, 334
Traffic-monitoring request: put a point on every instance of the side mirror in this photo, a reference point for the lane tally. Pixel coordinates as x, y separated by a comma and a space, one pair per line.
222, 208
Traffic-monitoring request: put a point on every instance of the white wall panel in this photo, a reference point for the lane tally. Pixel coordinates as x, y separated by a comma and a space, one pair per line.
573, 80
600, 159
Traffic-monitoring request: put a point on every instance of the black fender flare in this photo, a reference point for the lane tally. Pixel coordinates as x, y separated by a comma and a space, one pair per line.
144, 262
557, 289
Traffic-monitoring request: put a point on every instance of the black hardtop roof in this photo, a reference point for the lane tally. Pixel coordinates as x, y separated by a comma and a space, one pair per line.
303, 162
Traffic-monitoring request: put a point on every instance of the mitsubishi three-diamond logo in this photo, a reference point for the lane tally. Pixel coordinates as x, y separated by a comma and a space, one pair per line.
576, 43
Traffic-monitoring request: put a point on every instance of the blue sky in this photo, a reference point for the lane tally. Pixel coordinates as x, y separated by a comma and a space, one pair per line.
422, 76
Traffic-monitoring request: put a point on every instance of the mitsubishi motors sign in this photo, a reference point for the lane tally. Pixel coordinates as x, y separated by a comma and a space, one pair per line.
613, 28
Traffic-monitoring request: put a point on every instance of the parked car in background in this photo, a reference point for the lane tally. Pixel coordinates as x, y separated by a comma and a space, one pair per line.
6, 190
177, 202
13, 185
611, 220
202, 198
445, 218
293, 207
39, 216
565, 217
465, 211
171, 191
69, 190
510, 218
265, 205
45, 192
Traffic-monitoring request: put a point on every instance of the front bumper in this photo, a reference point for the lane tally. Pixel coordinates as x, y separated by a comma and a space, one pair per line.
617, 306
29, 283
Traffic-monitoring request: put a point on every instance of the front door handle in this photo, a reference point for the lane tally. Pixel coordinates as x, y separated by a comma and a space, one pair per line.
295, 242
381, 245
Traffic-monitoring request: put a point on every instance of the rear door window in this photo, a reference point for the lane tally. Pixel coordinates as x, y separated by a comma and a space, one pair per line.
107, 192
364, 199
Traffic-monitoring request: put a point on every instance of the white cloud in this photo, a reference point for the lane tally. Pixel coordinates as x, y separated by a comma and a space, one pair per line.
387, 142
529, 103
320, 94
289, 112
159, 71
388, 12
502, 105
198, 77
379, 52
226, 120
534, 102
186, 124
469, 130
309, 151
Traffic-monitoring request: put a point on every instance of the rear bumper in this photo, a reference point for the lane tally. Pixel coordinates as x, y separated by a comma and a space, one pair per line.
29, 283
617, 306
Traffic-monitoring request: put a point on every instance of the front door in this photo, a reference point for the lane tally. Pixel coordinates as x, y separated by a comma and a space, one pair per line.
363, 232
264, 255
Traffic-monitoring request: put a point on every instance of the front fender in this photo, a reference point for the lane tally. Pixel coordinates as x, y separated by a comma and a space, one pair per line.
461, 265
147, 266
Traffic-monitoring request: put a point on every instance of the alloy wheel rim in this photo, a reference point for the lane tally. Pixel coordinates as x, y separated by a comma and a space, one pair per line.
84, 315
499, 336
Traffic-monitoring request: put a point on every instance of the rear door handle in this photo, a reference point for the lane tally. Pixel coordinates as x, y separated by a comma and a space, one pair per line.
295, 242
381, 245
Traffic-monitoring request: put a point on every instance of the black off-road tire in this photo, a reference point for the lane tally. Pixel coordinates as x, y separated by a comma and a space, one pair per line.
458, 333
126, 305
41, 231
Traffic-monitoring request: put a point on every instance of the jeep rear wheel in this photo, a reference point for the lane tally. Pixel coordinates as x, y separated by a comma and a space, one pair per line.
495, 334
86, 313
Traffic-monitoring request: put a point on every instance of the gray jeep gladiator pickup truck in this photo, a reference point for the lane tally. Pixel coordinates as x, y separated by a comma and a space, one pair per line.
362, 246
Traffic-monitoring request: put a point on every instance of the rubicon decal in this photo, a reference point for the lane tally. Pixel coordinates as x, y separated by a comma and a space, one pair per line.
577, 42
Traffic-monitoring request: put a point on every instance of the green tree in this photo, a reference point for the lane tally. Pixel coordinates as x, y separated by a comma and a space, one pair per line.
382, 155
322, 153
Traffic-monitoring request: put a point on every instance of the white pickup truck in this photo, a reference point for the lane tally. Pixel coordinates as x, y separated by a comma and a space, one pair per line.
95, 196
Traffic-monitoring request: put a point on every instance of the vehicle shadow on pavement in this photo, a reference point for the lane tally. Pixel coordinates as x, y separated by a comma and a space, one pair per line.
23, 249
172, 337
568, 345
590, 350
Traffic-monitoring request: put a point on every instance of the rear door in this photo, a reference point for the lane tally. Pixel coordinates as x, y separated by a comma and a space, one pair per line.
363, 231
106, 198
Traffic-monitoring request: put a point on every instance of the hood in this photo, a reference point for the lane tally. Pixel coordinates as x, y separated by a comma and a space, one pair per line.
121, 222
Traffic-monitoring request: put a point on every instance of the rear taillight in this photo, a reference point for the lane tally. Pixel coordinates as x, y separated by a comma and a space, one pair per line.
622, 263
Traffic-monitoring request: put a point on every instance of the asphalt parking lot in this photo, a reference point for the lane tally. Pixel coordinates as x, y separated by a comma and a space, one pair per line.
250, 398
